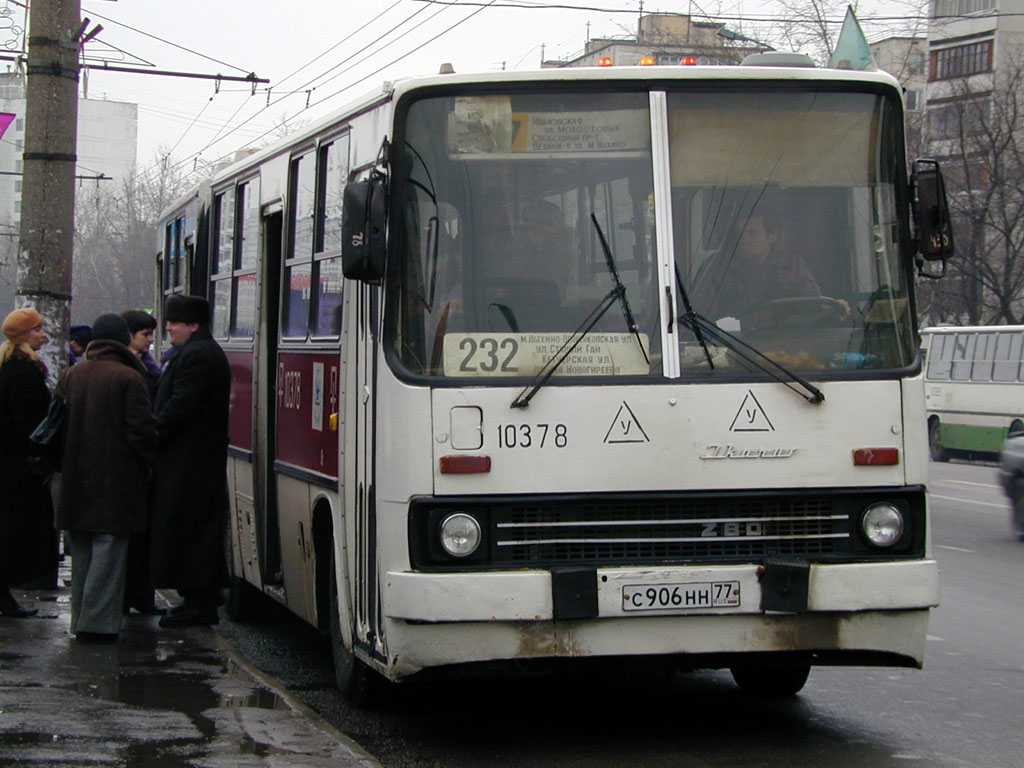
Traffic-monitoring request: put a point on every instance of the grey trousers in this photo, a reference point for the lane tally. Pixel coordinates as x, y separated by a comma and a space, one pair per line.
98, 565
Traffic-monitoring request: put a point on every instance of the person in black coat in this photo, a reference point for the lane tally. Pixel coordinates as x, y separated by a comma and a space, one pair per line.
27, 536
190, 492
138, 592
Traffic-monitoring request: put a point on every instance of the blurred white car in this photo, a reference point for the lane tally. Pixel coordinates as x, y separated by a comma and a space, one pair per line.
1011, 475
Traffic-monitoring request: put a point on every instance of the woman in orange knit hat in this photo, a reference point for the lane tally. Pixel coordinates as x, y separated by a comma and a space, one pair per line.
26, 514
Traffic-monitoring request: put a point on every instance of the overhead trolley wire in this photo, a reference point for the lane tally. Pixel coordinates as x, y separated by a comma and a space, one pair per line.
166, 42
343, 40
362, 50
409, 53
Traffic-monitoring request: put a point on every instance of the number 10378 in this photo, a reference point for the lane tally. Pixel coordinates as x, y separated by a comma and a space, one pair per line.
533, 436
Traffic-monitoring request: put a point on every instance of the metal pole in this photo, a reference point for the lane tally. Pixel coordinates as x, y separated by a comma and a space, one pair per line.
48, 197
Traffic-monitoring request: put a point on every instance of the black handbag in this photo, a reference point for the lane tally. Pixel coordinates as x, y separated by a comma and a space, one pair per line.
48, 437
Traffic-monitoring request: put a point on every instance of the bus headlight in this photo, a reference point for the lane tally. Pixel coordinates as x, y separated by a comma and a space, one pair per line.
882, 524
460, 534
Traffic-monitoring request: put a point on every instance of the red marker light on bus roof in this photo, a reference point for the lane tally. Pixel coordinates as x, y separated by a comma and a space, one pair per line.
465, 465
688, 61
604, 61
876, 457
647, 61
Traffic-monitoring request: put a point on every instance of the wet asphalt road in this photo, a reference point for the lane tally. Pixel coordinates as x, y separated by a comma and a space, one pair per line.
156, 698
963, 709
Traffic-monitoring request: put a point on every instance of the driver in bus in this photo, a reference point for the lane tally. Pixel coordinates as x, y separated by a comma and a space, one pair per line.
731, 285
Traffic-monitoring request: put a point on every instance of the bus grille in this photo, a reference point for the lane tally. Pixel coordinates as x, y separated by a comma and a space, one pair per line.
677, 529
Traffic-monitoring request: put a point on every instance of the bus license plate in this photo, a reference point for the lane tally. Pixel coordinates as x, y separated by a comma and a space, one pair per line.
667, 597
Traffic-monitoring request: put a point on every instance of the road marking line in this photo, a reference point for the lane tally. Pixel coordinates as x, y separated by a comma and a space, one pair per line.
957, 549
969, 501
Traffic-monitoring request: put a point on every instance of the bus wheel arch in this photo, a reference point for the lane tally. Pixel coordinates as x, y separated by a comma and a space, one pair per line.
935, 448
360, 684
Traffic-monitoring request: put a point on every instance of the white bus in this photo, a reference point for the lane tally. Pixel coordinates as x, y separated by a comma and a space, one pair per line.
974, 388
480, 417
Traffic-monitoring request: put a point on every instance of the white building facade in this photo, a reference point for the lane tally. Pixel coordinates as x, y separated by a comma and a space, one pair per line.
106, 150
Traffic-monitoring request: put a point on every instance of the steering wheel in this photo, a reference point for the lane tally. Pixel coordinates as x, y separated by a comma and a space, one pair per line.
795, 312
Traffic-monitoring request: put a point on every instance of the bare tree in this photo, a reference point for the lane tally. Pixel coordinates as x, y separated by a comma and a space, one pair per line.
116, 239
978, 130
809, 26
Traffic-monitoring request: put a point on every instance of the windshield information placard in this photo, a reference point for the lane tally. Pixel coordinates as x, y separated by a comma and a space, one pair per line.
524, 354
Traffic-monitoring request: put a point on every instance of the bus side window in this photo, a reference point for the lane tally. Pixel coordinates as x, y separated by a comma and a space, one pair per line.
963, 356
1007, 356
984, 352
940, 357
328, 308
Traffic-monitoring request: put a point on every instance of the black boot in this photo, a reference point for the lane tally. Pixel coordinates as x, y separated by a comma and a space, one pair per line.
9, 606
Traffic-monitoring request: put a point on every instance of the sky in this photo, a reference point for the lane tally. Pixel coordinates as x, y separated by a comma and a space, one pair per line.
321, 54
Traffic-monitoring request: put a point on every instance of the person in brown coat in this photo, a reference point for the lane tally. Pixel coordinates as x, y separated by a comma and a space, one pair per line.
109, 451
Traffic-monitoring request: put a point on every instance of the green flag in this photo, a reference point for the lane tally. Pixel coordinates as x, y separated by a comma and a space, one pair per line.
852, 51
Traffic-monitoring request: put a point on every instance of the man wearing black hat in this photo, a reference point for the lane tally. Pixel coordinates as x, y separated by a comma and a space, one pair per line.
190, 498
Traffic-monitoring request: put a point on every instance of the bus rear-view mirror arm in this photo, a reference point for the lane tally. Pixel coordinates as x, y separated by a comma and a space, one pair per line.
931, 211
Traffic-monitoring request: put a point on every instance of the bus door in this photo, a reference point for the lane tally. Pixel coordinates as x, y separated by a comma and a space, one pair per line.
361, 495
265, 368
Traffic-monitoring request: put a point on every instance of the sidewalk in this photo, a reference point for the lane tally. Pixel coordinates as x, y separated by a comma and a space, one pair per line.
157, 697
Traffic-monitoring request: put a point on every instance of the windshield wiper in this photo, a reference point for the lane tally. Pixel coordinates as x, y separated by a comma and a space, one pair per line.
548, 369
700, 324
619, 287
618, 293
694, 327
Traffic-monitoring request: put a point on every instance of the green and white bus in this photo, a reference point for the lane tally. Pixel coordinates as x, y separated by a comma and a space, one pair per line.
973, 388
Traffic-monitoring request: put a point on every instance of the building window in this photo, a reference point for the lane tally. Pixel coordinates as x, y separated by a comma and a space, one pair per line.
19, 124
960, 7
915, 100
915, 63
962, 60
958, 119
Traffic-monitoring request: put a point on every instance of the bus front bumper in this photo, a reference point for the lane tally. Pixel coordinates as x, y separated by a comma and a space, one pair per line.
537, 595
859, 614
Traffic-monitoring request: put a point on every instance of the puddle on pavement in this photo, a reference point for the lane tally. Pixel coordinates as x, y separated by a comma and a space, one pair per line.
187, 692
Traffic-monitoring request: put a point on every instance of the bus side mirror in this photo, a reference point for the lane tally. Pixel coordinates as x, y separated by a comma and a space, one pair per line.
931, 211
362, 230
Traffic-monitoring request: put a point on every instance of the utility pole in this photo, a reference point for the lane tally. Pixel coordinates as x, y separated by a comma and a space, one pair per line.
48, 196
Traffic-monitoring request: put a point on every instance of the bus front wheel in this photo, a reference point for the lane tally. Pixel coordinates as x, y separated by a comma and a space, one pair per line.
935, 447
357, 682
1017, 506
771, 681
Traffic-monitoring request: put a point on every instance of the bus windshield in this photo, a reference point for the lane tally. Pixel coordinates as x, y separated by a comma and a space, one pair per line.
788, 229
785, 230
